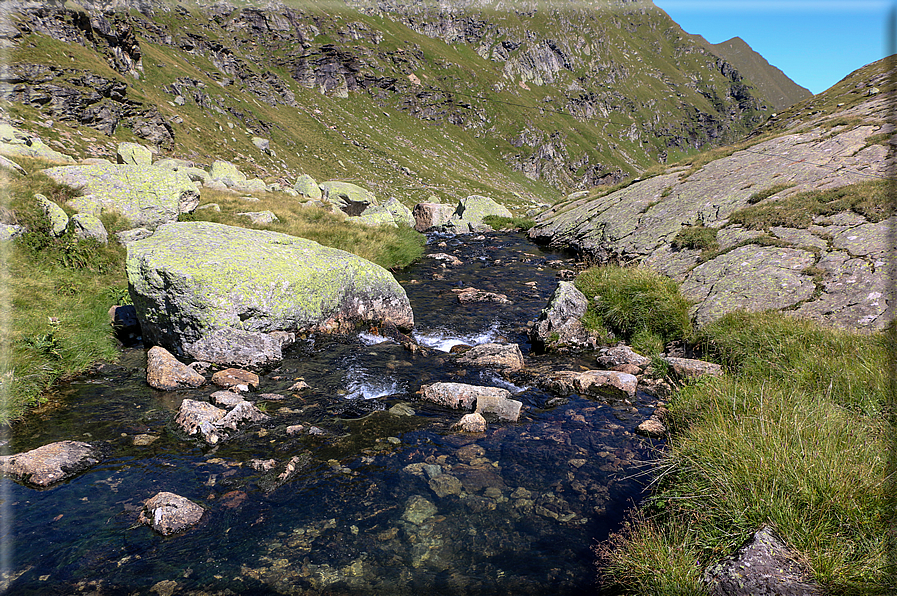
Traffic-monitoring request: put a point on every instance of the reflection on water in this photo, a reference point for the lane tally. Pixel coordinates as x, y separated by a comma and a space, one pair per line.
380, 496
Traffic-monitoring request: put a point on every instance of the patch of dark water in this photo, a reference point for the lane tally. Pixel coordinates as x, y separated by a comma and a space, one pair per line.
381, 495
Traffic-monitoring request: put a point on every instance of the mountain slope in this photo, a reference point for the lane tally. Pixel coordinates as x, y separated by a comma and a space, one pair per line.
770, 83
525, 104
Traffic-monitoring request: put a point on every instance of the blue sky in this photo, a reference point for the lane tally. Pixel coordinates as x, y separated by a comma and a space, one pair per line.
816, 43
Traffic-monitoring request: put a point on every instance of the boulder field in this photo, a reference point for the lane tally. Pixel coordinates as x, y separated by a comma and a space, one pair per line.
207, 291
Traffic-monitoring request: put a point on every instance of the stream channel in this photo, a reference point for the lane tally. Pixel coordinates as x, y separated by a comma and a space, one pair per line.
358, 514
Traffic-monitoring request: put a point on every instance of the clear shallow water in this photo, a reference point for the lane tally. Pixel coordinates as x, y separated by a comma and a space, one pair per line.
516, 510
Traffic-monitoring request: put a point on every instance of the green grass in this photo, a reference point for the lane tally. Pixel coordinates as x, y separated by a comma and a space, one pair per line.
796, 435
635, 304
696, 238
869, 199
389, 247
516, 223
765, 194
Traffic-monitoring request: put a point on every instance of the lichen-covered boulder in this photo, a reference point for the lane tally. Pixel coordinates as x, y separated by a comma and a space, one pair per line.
225, 170
347, 197
470, 212
133, 154
400, 213
307, 187
17, 143
146, 196
190, 280
85, 225
58, 219
376, 215
260, 217
52, 463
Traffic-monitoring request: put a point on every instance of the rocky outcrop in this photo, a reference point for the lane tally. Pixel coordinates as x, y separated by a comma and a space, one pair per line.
14, 142
168, 513
827, 268
146, 196
191, 281
52, 463
349, 198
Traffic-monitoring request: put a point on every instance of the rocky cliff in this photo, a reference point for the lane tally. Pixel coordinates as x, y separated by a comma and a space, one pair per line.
796, 218
527, 102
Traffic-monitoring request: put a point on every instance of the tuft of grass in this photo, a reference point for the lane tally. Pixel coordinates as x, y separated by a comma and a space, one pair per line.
869, 199
696, 237
629, 301
515, 223
795, 435
766, 193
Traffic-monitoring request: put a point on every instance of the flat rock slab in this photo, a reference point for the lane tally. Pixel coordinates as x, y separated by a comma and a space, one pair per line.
506, 357
165, 372
51, 463
752, 277
168, 513
763, 566
688, 368
621, 355
145, 195
192, 280
502, 407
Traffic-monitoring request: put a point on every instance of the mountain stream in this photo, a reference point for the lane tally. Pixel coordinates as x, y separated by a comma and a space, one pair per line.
356, 511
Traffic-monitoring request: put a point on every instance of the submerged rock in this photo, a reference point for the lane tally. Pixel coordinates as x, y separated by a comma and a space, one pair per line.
52, 463
168, 513
471, 423
418, 509
165, 372
235, 377
500, 406
192, 280
199, 417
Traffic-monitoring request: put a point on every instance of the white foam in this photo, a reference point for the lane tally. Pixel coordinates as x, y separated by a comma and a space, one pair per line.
444, 340
491, 379
369, 339
362, 384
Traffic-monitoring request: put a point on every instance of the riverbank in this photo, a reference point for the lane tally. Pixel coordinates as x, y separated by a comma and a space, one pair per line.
796, 435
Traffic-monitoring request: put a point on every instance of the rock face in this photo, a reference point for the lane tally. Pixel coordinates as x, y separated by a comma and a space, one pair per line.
559, 328
168, 513
193, 281
431, 215
145, 195
822, 268
763, 565
51, 463
165, 372
133, 154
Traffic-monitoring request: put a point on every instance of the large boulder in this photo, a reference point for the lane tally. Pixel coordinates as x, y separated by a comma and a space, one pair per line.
376, 215
401, 214
86, 225
133, 154
165, 372
469, 213
56, 217
307, 187
505, 357
145, 195
190, 280
225, 170
52, 463
431, 215
592, 383
347, 197
17, 143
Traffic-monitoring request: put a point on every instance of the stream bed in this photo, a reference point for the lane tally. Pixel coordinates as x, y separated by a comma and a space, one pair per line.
348, 505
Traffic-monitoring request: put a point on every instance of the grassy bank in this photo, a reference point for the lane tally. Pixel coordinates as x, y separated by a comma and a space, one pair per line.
796, 434
55, 293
